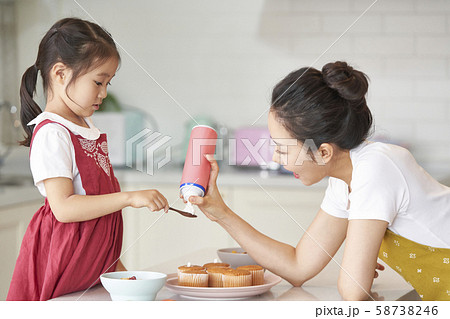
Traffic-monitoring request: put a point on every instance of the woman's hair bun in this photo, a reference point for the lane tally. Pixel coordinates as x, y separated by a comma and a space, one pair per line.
350, 84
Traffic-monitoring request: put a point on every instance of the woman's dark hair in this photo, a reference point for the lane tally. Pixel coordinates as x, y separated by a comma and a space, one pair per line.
327, 106
79, 44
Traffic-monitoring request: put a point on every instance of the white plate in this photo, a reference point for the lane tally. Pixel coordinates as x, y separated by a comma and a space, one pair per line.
270, 280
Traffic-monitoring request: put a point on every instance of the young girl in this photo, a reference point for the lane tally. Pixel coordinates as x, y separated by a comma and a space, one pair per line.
77, 235
377, 195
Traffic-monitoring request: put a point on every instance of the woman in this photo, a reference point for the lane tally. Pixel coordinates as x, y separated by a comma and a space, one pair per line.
377, 195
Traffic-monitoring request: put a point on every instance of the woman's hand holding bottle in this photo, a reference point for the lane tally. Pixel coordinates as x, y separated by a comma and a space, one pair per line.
212, 204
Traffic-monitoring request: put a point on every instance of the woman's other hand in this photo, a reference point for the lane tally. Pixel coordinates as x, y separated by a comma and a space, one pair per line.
379, 267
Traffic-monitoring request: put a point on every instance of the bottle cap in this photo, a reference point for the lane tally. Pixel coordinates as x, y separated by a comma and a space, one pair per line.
189, 190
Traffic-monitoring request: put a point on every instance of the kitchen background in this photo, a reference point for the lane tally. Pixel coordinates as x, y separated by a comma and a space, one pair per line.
217, 61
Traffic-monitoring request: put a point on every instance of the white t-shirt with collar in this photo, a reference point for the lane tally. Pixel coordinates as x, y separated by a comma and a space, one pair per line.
52, 153
388, 184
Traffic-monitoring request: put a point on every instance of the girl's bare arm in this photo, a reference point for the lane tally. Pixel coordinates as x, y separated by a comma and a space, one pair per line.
69, 207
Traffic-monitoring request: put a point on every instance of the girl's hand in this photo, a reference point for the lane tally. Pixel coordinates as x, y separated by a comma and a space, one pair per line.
379, 267
151, 198
212, 204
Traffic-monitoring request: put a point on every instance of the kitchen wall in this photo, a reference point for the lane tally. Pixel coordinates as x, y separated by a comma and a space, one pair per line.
7, 44
222, 58
8, 74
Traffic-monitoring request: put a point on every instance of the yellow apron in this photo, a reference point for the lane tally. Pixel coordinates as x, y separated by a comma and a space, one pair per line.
425, 268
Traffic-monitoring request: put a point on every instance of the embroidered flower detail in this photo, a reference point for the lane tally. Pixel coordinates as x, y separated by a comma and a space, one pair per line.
446, 260
412, 256
88, 145
421, 296
103, 162
398, 268
435, 279
385, 254
104, 147
91, 149
419, 271
397, 243
448, 292
430, 248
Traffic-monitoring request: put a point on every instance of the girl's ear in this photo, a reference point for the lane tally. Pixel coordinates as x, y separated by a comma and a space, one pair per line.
59, 73
326, 150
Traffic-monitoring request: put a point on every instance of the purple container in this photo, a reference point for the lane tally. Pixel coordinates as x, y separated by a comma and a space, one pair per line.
252, 147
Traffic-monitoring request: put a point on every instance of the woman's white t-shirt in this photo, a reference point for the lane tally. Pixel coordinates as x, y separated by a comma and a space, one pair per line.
388, 184
52, 153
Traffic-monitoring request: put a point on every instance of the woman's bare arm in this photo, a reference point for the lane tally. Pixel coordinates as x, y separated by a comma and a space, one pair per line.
313, 252
363, 242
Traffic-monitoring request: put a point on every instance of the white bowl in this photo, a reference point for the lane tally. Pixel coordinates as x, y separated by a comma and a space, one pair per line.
145, 287
236, 259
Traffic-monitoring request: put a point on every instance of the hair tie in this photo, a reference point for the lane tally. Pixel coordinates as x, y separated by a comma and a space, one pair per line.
35, 67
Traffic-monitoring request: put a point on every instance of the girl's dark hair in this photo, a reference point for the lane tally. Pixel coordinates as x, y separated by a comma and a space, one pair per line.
327, 106
79, 44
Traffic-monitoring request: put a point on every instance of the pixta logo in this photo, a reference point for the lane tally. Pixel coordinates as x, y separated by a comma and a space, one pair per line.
142, 150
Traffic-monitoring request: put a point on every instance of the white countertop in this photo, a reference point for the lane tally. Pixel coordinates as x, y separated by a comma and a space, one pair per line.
389, 285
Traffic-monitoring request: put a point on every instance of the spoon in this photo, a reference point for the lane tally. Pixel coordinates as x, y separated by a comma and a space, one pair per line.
185, 214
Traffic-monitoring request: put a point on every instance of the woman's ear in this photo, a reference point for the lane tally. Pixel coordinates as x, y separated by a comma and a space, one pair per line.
326, 151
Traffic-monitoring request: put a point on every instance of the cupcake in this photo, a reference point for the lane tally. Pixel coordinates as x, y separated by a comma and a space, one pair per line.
189, 267
193, 278
237, 278
257, 273
216, 265
216, 276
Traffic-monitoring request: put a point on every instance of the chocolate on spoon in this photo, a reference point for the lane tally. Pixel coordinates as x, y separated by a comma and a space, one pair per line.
185, 214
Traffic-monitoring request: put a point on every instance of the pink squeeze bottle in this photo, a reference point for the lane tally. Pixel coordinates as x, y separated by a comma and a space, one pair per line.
197, 168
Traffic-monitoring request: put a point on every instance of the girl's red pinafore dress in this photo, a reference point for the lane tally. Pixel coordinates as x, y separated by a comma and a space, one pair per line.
58, 258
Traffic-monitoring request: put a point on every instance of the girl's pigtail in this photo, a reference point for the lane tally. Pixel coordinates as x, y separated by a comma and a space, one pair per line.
29, 108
